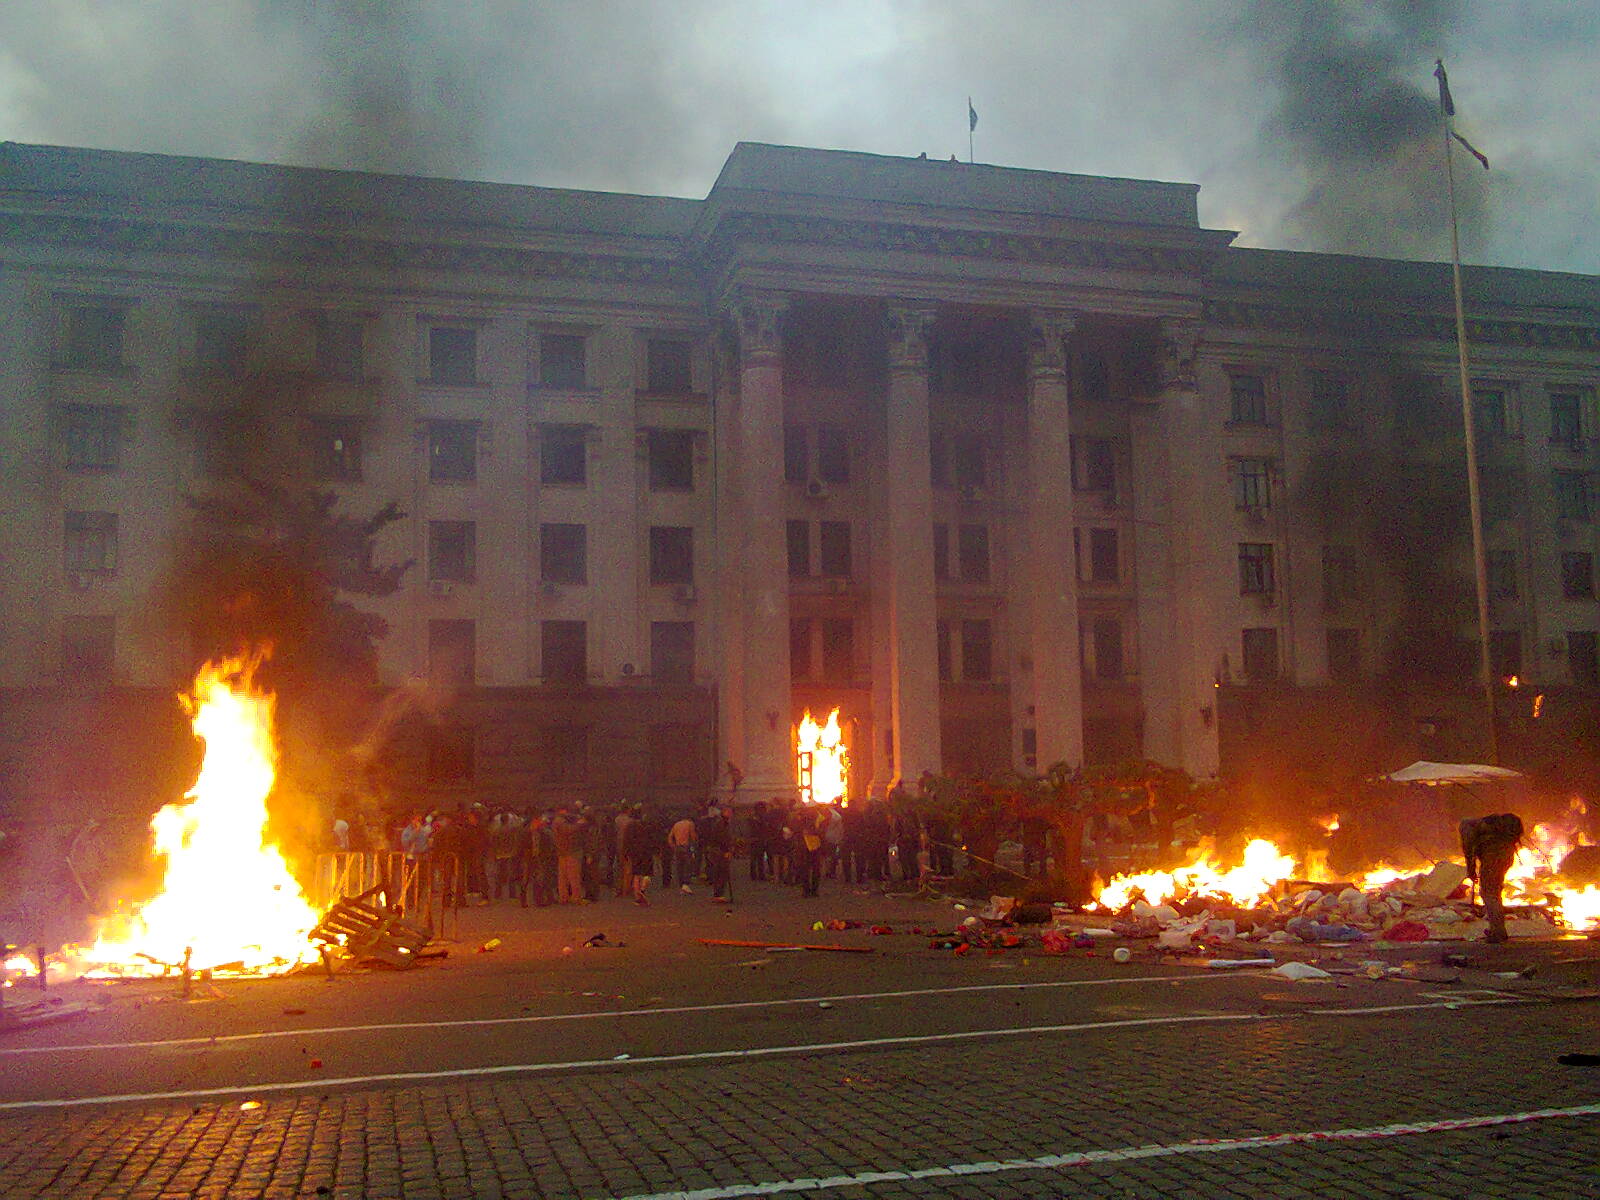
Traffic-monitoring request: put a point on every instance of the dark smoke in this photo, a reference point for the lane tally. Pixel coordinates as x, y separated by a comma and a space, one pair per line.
1358, 119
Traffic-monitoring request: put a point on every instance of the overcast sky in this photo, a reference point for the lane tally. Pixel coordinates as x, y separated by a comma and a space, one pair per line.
1308, 125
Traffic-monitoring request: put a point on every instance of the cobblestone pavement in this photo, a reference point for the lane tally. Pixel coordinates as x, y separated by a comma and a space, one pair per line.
641, 1131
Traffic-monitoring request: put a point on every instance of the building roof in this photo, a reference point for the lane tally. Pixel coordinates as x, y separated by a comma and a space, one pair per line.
849, 174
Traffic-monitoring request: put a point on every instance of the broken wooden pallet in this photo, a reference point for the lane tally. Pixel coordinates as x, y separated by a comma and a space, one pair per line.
368, 931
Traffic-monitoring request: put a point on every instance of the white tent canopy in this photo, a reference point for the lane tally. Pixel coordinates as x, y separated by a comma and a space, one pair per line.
1432, 773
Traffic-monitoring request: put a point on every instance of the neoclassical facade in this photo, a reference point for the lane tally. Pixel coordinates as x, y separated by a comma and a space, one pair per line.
1012, 467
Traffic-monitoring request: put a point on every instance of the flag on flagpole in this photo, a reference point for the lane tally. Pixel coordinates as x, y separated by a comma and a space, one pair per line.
972, 116
1447, 106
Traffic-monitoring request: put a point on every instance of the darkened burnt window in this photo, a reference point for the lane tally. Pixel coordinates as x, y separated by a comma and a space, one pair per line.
1572, 495
834, 549
1252, 488
1247, 399
1577, 575
799, 648
1108, 648
972, 553
1566, 419
833, 455
1260, 655
977, 651
797, 539
1582, 660
796, 458
1104, 559
1255, 569
838, 649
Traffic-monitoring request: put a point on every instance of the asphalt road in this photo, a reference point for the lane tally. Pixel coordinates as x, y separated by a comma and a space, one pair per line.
661, 1066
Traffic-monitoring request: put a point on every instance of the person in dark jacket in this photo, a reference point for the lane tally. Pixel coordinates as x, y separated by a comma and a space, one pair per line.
639, 841
1490, 844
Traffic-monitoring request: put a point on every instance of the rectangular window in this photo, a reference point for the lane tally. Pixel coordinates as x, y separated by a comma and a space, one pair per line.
1566, 419
1253, 484
977, 651
564, 651
1344, 655
671, 554
797, 535
1096, 376
563, 455
672, 651
838, 649
564, 554
833, 455
451, 755
1247, 399
938, 459
941, 552
667, 367
221, 340
1582, 660
1501, 568
91, 543
834, 548
972, 553
452, 551
969, 466
452, 451
946, 663
1577, 575
1489, 414
1505, 653
88, 649
341, 349
799, 648
1330, 400
1255, 569
1107, 648
1104, 558
562, 361
93, 437
671, 460
1099, 465
92, 337
1572, 495
452, 652
334, 449
1260, 655
796, 458
1340, 578
452, 355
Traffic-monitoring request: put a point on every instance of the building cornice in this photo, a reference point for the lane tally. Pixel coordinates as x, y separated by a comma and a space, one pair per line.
1376, 325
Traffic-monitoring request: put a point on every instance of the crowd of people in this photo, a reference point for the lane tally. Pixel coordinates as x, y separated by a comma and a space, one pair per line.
575, 854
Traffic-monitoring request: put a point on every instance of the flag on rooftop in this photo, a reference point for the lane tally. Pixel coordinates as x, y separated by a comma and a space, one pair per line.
972, 116
1447, 106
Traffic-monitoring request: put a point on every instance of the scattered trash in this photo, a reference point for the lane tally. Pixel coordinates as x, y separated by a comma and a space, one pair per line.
1406, 931
492, 944
824, 1004
250, 1106
315, 1064
1299, 972
1121, 954
1237, 964
294, 1012
621, 1057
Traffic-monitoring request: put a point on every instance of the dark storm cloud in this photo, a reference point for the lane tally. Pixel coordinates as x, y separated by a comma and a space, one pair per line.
1309, 125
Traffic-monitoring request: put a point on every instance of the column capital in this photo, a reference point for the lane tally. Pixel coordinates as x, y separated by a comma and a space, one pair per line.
1179, 341
906, 326
756, 317
1048, 330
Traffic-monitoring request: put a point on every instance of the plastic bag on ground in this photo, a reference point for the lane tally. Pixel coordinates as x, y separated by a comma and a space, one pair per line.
1299, 972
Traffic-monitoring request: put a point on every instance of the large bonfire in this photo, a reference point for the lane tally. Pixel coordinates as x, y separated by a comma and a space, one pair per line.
227, 898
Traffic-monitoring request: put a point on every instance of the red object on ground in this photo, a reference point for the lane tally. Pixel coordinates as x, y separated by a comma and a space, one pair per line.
316, 1064
1406, 931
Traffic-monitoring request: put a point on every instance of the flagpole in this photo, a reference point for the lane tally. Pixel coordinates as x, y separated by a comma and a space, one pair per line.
1474, 501
972, 125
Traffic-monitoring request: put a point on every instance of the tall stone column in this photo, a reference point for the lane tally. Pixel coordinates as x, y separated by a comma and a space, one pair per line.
762, 659
1048, 571
1176, 664
913, 690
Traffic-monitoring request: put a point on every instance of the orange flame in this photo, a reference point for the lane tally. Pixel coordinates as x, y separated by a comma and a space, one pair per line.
226, 896
822, 758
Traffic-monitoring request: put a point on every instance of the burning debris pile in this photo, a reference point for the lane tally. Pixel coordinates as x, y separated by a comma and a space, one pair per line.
1269, 897
227, 901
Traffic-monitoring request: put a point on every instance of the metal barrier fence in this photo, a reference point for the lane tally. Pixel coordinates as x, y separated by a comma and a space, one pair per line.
426, 889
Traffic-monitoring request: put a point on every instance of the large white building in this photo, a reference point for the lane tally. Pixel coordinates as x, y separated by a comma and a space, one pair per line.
1012, 467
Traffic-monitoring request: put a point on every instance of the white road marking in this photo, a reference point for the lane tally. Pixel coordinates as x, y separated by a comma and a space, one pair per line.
1081, 1158
706, 1055
676, 1010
